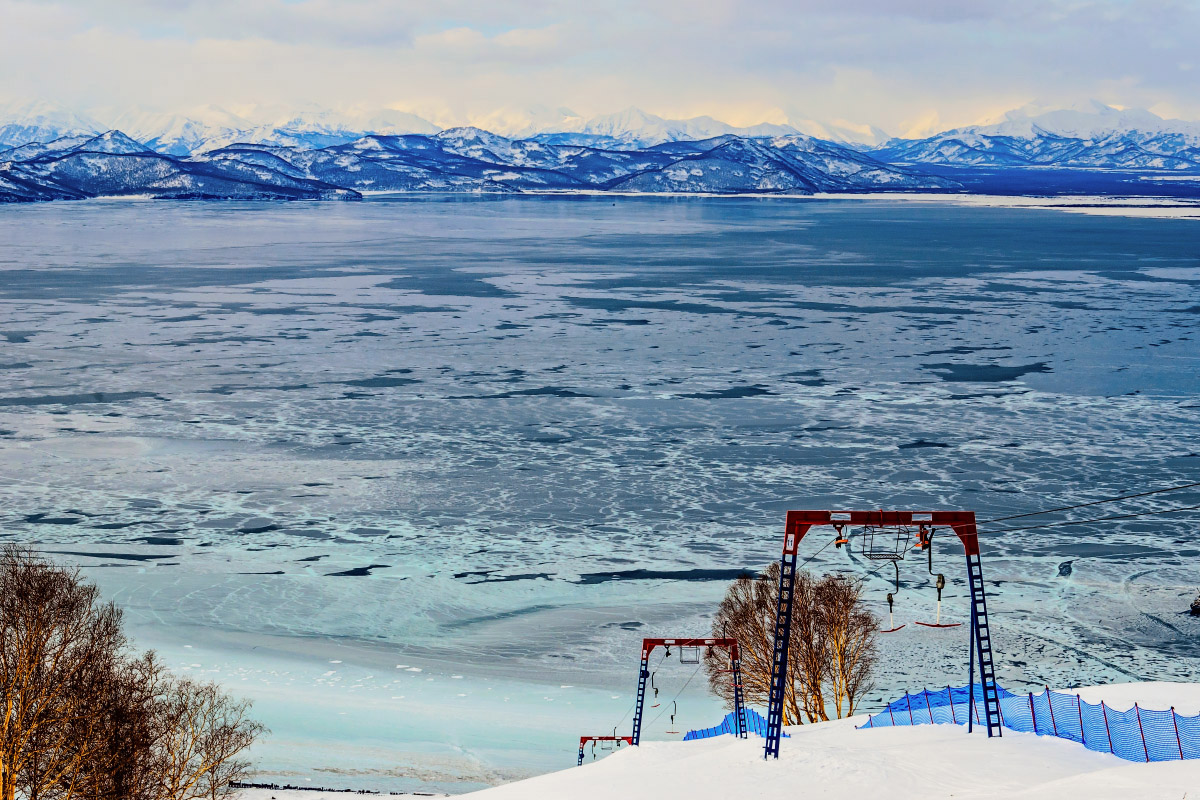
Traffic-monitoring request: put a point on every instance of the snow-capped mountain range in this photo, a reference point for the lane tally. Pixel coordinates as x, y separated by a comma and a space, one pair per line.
210, 127
1095, 137
48, 152
459, 159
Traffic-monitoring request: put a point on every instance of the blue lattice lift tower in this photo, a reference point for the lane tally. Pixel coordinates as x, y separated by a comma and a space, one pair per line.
961, 522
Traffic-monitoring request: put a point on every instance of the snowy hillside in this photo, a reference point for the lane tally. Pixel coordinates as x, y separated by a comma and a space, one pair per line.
838, 761
835, 760
181, 134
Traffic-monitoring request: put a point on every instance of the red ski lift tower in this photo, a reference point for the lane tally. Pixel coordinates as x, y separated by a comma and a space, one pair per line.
606, 743
735, 663
901, 523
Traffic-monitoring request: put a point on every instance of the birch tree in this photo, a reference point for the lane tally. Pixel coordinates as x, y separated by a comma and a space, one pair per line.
831, 650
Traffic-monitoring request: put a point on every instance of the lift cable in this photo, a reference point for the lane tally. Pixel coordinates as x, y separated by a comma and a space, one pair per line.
814, 555
1093, 503
629, 710
1134, 515
676, 697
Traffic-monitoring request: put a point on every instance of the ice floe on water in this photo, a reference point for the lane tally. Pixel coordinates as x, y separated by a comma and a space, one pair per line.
504, 439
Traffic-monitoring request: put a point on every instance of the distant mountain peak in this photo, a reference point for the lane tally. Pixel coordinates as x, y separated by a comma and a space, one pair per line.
1089, 120
26, 121
112, 142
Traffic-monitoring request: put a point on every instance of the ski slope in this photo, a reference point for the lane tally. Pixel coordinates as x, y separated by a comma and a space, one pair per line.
836, 761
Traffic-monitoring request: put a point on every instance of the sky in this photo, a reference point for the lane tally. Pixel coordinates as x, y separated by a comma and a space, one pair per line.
907, 66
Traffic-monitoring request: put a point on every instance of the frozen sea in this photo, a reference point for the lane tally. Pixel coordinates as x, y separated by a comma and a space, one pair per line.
418, 474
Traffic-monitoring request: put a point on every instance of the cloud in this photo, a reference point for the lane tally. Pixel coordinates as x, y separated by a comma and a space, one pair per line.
894, 63
517, 46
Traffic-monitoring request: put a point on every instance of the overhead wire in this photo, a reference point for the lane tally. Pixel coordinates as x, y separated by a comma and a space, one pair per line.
695, 672
661, 659
1093, 503
1069, 522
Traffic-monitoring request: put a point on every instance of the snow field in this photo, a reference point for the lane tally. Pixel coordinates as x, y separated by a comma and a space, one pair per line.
836, 761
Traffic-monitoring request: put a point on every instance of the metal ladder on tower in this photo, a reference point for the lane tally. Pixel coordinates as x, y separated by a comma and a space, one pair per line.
643, 676
739, 705
982, 644
783, 633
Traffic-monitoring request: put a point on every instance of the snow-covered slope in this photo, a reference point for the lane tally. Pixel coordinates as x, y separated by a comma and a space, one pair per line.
836, 761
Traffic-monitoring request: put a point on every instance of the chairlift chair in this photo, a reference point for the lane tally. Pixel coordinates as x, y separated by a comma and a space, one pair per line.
888, 543
885, 543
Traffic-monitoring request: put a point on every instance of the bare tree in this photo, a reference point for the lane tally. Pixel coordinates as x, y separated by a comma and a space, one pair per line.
81, 719
126, 707
832, 648
57, 642
203, 734
747, 615
851, 634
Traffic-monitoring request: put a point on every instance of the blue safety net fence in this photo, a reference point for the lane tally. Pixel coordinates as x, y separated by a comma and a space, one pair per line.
1135, 735
755, 723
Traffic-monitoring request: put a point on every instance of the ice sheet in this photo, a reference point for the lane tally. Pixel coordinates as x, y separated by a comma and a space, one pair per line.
507, 438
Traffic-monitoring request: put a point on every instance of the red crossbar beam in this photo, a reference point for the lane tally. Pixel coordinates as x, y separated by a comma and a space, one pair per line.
648, 645
585, 739
961, 522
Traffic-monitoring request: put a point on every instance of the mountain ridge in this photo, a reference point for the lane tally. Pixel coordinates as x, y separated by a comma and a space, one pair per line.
1018, 155
463, 159
212, 127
